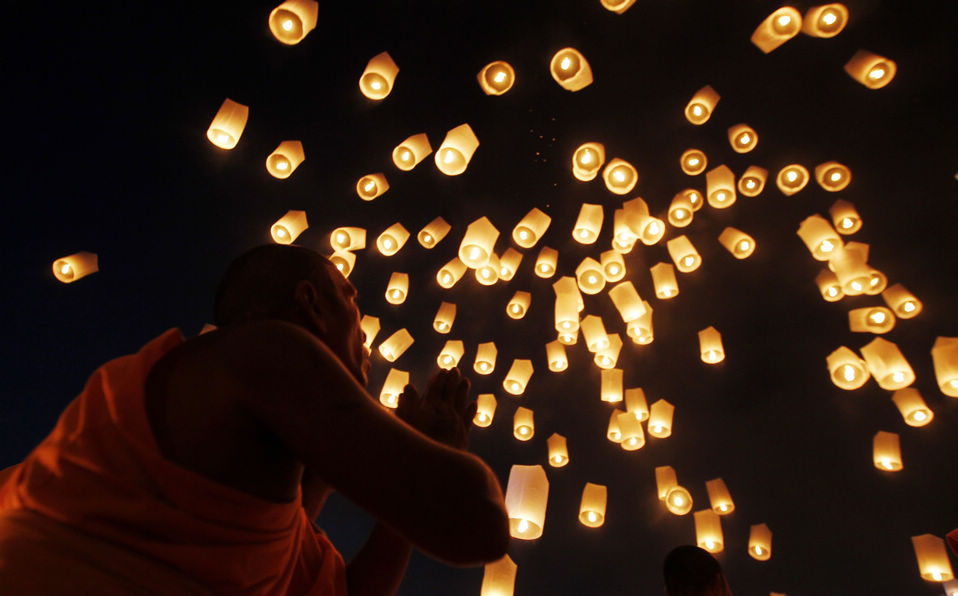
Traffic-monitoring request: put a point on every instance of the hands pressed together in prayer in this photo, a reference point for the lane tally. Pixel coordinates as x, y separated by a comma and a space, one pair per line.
444, 412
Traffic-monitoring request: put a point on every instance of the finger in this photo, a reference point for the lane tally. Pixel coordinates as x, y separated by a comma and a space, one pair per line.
434, 387
469, 412
449, 386
460, 401
408, 400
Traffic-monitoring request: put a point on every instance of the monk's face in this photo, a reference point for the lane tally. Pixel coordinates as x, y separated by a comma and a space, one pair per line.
344, 334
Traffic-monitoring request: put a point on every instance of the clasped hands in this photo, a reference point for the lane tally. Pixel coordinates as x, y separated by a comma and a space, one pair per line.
444, 412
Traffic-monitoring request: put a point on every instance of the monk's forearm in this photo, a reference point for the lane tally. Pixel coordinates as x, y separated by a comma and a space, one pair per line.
379, 567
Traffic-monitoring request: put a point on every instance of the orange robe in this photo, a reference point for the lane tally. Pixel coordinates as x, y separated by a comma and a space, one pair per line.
98, 500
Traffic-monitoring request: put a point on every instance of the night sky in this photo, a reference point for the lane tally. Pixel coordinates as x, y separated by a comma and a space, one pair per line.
106, 111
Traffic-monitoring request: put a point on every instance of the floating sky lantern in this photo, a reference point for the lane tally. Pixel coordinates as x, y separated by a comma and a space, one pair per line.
369, 325
410, 152
485, 361
646, 228
398, 288
640, 330
488, 273
558, 450
284, 160
742, 138
378, 77
518, 305
509, 263
456, 150
636, 404
829, 286
850, 266
485, 410
71, 268
912, 407
523, 426
370, 186
228, 124
613, 266
932, 556
660, 419
833, 176
951, 588
527, 494
590, 276
555, 354
693, 161
819, 237
344, 261
392, 239
531, 228
592, 505
708, 531
292, 20
623, 238
777, 28
611, 385
566, 315
678, 500
612, 432
617, 6
499, 578
845, 218
826, 20
871, 70
633, 438
664, 282
886, 451
588, 224
944, 355
570, 69
694, 197
719, 497
444, 318
394, 345
737, 242
711, 350
450, 273
496, 77
680, 211
347, 238
752, 182
683, 254
700, 107
396, 381
760, 542
871, 319
791, 179
518, 376
606, 358
594, 333
887, 364
433, 233
665, 480
627, 301
478, 242
587, 160
620, 176
546, 262
720, 187
289, 227
451, 354
846, 369
901, 301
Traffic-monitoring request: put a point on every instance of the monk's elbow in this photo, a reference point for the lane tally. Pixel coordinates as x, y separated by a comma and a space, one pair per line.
485, 538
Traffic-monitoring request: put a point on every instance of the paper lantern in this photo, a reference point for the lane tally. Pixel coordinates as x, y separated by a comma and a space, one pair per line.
518, 376
648, 229
901, 301
944, 355
371, 186
587, 160
623, 238
827, 20
708, 531
635, 403
760, 542
613, 266
752, 182
523, 427
700, 107
518, 305
693, 161
829, 286
410, 152
612, 432
887, 364
284, 160
932, 556
719, 497
444, 318
627, 301
660, 419
566, 314
611, 388
951, 588
433, 233
912, 407
485, 361
665, 480
871, 319
509, 263
499, 578
664, 282
555, 354
485, 410
378, 77
71, 268
546, 262
531, 228
369, 325
678, 500
558, 450
617, 6
886, 451
720, 187
742, 138
496, 77
289, 227
640, 330
394, 345
478, 242
871, 70
450, 273
590, 276
566, 285
592, 505
846, 369
683, 254
570, 69
620, 176
228, 124
680, 211
845, 218
588, 224
593, 330
344, 261
607, 358
737, 242
451, 354
527, 493
710, 346
832, 176
347, 238
633, 438
292, 20
488, 273
398, 288
819, 237
695, 198
848, 264
456, 150
791, 179
396, 381
777, 28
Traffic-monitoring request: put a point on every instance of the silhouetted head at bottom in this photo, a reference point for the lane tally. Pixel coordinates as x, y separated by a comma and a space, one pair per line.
692, 571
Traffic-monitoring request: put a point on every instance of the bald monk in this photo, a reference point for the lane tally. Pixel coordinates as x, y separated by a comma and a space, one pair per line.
196, 466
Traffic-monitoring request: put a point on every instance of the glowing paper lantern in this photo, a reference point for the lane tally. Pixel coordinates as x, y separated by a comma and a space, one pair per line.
450, 273
901, 301
737, 242
623, 238
488, 273
566, 314
845, 218
485, 410
680, 211
566, 286
886, 451
499, 578
932, 556
700, 107
665, 480
613, 266
292, 20
587, 160
519, 305
829, 286
593, 330
832, 176
620, 176
617, 6
592, 505
546, 262
660, 419
708, 531
678, 500
518, 376
228, 124
570, 69
523, 426
777, 28
871, 319
558, 450
944, 355
394, 345
371, 186
720, 187
694, 197
496, 77
590, 276
555, 354
450, 354
444, 318
509, 263
846, 369
951, 588
396, 381
912, 407
760, 542
607, 357
531, 228
719, 497
369, 325
635, 403
887, 364
664, 282
456, 150
398, 288
612, 432
433, 233
849, 265
819, 237
410, 152
791, 179
346, 238
827, 20
648, 229
752, 182
378, 77
611, 389
71, 268
693, 162
710, 346
392, 239
871, 70
477, 244
742, 138
588, 224
683, 254
527, 493
631, 428
485, 361
344, 261
285, 159
289, 227
627, 301
640, 330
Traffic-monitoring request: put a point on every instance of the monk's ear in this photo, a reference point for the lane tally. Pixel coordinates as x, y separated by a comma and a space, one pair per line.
312, 303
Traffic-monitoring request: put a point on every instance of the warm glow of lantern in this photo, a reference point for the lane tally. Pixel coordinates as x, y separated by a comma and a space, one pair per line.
499, 578
776, 29
791, 179
829, 286
660, 419
901, 301
680, 211
742, 138
678, 500
518, 377
371, 186
752, 182
485, 361
612, 432
887, 364
587, 160
546, 262
613, 266
737, 242
485, 410
611, 388
518, 305
617, 6
760, 542
396, 381
871, 319
609, 356
292, 20
289, 227
496, 77
347, 239
620, 176
450, 273
590, 276
700, 107
664, 282
646, 228
592, 505
832, 176
451, 354
635, 403
886, 451
370, 328
683, 254
932, 556
846, 369
665, 480
410, 152
693, 162
566, 314
912, 407
850, 266
844, 217
477, 245
228, 124
632, 438
394, 345
640, 330
819, 237
433, 233
488, 274
392, 239
588, 224
708, 531
456, 150
570, 69
527, 493
555, 354
71, 268
944, 355
344, 261
593, 331
398, 288
627, 301
711, 350
523, 426
720, 187
284, 160
871, 70
531, 228
719, 497
558, 450
378, 77
623, 237
509, 263
826, 20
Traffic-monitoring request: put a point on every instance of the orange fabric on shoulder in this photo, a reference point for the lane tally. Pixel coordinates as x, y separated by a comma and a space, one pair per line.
100, 472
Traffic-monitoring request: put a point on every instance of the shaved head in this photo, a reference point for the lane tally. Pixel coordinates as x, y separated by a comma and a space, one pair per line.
692, 571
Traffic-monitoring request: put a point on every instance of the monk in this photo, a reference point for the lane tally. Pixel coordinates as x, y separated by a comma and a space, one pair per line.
692, 571
197, 466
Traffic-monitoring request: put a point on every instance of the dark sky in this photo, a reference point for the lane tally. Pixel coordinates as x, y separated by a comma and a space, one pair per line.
106, 109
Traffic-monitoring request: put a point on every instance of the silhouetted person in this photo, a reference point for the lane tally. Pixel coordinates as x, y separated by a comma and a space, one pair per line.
692, 571
196, 466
